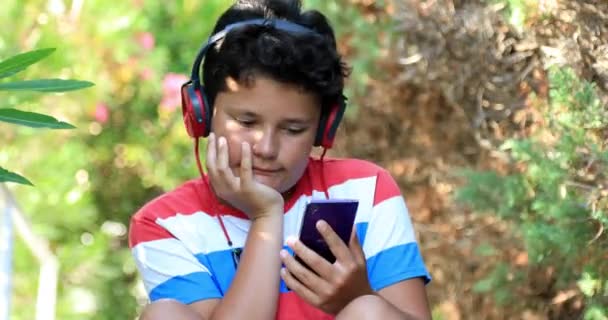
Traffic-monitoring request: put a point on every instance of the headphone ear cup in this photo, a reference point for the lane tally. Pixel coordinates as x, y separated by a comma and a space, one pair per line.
195, 112
328, 125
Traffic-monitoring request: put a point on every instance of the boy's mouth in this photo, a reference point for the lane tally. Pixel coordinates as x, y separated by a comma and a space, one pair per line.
265, 171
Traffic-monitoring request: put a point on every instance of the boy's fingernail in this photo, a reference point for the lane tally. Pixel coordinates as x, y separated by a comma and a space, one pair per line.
321, 225
291, 241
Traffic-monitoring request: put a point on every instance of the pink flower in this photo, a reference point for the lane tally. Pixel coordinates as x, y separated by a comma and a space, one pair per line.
102, 113
172, 84
138, 3
146, 74
146, 40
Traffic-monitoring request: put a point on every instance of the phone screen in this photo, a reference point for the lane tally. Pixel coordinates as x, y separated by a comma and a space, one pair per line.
338, 213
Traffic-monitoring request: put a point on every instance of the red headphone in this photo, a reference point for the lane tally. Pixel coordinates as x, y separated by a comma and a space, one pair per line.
197, 112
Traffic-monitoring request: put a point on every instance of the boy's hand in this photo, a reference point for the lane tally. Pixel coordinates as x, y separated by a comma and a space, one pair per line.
331, 286
243, 192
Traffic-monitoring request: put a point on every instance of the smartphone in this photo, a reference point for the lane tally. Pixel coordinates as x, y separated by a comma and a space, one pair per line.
338, 213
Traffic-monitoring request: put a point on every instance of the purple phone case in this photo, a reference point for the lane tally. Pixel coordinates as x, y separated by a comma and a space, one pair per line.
338, 213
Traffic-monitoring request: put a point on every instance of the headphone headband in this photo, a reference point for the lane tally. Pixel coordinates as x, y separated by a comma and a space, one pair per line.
276, 23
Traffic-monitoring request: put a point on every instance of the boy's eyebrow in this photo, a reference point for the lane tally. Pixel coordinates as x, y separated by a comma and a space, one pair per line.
297, 121
246, 113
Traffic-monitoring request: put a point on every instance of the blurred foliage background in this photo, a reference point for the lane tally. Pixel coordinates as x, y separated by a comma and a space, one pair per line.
490, 114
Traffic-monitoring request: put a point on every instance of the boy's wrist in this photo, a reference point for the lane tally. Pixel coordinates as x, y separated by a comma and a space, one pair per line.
273, 213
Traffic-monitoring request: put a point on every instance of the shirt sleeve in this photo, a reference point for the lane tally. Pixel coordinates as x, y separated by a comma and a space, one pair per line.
169, 270
388, 239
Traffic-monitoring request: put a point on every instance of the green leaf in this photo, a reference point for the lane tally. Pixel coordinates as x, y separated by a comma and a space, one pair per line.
502, 296
596, 312
46, 85
588, 285
7, 176
19, 62
483, 286
31, 119
485, 250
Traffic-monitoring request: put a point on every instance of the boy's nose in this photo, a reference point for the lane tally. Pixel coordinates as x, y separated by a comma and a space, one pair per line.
266, 144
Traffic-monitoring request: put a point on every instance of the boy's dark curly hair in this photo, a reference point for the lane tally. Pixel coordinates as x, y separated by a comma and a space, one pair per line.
308, 61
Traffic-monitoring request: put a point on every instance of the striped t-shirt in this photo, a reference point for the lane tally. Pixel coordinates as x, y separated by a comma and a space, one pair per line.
182, 252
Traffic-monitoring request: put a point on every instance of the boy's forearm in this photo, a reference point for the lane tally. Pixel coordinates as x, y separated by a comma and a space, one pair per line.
391, 312
254, 291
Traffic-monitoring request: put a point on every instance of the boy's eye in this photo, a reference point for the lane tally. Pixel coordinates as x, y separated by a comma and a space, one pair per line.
294, 130
246, 122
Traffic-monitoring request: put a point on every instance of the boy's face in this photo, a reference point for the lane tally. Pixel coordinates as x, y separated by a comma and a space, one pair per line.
278, 120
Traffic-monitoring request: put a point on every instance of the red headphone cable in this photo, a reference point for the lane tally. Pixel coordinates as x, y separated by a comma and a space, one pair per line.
323, 174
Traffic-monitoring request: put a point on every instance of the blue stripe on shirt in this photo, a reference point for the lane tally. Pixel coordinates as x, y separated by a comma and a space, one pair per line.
187, 288
361, 231
221, 265
396, 264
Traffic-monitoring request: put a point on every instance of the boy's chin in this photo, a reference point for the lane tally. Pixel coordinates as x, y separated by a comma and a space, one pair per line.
267, 181
270, 182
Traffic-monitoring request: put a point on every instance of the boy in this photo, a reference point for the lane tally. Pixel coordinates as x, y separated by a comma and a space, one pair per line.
214, 247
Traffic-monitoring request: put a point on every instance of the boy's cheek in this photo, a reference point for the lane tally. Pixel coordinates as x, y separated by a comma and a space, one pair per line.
234, 150
235, 140
234, 156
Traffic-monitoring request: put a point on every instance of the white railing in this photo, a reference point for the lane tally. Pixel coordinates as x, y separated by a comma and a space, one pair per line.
13, 217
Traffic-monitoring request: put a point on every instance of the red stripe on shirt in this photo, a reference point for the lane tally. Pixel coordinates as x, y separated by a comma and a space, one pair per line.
143, 229
338, 171
183, 200
386, 187
292, 307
